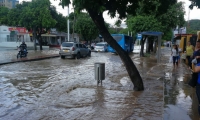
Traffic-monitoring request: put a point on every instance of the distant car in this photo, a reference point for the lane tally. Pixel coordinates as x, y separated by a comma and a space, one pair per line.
101, 47
74, 50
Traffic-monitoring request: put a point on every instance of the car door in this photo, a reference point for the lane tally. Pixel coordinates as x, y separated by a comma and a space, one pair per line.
81, 49
85, 50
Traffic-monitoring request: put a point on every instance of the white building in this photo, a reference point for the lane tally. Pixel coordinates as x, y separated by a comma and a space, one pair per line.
13, 36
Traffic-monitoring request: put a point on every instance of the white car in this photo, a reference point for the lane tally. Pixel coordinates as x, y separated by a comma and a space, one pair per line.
101, 47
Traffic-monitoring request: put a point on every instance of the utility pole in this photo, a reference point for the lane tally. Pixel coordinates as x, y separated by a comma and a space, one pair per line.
68, 23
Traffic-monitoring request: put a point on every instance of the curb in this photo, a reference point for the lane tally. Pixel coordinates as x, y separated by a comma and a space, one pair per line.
31, 59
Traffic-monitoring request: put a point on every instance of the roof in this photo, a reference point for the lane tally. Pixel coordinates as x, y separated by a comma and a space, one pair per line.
151, 33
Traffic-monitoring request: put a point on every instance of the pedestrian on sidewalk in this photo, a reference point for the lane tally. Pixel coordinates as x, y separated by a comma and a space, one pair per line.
196, 55
189, 53
175, 54
179, 54
197, 69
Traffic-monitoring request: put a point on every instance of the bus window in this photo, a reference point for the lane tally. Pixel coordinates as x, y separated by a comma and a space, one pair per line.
117, 38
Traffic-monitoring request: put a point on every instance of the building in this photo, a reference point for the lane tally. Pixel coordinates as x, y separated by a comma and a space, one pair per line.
9, 3
13, 36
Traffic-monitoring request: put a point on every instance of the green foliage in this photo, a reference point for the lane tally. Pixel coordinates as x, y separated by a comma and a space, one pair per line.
143, 23
84, 26
155, 21
167, 35
3, 13
174, 16
124, 31
61, 21
32, 14
193, 26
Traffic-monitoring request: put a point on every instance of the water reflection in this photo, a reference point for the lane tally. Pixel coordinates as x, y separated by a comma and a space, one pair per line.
179, 98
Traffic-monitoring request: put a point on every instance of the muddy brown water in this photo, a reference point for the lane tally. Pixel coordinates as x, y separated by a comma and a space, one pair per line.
65, 89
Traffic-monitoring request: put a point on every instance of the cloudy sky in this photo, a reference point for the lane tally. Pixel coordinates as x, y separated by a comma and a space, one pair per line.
194, 14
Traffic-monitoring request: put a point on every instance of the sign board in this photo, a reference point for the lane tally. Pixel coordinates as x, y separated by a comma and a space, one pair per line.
139, 36
18, 29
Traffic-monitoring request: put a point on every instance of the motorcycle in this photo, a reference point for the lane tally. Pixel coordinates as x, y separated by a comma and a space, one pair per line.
22, 53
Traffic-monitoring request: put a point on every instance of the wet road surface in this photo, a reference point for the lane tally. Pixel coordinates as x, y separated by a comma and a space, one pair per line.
65, 89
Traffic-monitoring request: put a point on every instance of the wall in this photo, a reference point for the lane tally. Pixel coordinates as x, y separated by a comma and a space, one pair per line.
3, 33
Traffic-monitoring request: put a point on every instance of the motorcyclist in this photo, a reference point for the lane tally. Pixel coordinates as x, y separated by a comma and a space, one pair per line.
23, 47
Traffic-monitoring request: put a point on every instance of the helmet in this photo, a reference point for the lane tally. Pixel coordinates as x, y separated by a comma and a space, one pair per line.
23, 42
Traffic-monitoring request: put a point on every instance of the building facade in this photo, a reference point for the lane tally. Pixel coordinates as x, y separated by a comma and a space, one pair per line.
9, 3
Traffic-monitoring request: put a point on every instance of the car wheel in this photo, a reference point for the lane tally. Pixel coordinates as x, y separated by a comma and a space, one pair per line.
63, 57
89, 54
78, 56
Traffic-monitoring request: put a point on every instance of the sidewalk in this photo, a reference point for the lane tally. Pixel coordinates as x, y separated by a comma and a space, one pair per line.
180, 101
10, 55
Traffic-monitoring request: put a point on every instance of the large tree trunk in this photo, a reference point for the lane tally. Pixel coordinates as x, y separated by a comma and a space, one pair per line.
34, 38
130, 67
40, 37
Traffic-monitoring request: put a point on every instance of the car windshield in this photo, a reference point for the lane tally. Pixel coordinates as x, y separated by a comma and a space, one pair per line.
98, 44
67, 44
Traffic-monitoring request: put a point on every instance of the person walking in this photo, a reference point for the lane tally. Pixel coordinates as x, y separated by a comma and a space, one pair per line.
179, 54
175, 54
189, 53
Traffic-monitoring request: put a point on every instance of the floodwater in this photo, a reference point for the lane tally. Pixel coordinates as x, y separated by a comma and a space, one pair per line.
65, 89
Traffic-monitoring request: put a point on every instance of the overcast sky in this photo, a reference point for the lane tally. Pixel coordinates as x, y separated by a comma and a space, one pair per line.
194, 14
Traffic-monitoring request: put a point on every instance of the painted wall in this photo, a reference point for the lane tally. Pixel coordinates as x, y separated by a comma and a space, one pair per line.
4, 32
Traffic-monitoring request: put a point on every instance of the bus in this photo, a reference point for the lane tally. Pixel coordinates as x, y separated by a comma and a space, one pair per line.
126, 42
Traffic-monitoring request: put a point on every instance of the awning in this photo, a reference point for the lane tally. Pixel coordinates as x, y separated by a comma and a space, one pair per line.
48, 35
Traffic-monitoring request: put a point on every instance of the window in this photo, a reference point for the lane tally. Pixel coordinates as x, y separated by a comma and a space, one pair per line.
117, 38
67, 44
80, 46
84, 46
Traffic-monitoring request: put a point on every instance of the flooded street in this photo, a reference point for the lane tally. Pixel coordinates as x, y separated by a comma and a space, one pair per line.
65, 89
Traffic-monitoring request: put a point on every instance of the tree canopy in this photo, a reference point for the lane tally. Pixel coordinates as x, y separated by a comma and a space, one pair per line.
194, 3
193, 26
3, 13
84, 25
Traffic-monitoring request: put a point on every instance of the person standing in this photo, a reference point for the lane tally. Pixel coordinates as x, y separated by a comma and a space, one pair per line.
196, 55
179, 53
175, 54
189, 53
197, 70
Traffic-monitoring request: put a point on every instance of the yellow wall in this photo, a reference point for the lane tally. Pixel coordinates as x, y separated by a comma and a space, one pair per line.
181, 45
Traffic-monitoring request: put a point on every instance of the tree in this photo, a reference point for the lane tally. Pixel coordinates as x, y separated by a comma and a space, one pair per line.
156, 20
143, 23
33, 15
37, 16
194, 3
124, 31
61, 21
122, 7
84, 26
3, 13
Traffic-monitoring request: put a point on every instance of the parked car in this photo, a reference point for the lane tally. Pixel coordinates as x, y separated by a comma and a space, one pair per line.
101, 47
74, 50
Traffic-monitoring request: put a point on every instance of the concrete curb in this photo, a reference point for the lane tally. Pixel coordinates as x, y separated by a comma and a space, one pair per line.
36, 58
